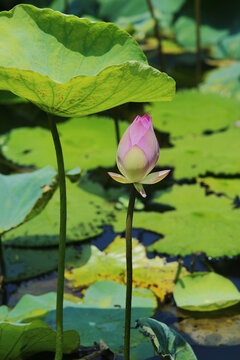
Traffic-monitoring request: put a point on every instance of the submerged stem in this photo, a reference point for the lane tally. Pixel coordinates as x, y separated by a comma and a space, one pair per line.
62, 238
2, 274
129, 273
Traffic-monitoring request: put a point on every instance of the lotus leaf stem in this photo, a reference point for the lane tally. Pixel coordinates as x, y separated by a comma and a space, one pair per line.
198, 42
3, 273
62, 238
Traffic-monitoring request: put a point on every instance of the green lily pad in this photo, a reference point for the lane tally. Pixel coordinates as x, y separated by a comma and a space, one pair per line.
185, 30
23, 196
225, 81
155, 274
194, 156
22, 263
229, 187
88, 142
87, 214
192, 112
70, 66
19, 341
204, 291
199, 223
99, 315
166, 341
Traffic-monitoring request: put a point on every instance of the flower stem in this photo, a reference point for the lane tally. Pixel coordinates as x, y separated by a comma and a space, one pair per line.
129, 273
62, 238
3, 274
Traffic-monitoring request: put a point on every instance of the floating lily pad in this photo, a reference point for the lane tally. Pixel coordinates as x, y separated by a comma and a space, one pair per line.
99, 315
87, 213
70, 66
205, 291
23, 196
87, 142
198, 155
200, 223
192, 112
225, 81
19, 341
185, 30
22, 263
166, 341
229, 187
155, 274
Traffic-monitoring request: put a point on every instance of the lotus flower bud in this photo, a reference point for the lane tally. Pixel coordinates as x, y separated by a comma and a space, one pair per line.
137, 154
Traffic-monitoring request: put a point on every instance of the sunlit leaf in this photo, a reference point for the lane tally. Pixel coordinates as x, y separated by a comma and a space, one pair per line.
99, 316
23, 196
199, 223
166, 341
155, 274
70, 66
229, 187
205, 291
192, 112
87, 214
87, 142
198, 155
19, 341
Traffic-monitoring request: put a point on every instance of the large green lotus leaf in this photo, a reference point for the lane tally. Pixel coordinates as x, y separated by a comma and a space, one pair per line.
70, 66
167, 342
87, 213
185, 32
23, 196
22, 263
155, 274
199, 224
192, 112
204, 291
225, 80
99, 316
198, 155
229, 187
88, 142
19, 341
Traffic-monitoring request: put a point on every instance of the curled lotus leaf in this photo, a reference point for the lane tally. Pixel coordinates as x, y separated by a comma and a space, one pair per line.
70, 66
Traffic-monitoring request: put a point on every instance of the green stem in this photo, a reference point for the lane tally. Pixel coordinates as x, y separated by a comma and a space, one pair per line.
62, 238
198, 42
66, 6
3, 273
179, 269
129, 273
158, 36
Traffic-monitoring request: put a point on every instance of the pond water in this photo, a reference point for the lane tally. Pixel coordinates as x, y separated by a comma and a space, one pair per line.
213, 335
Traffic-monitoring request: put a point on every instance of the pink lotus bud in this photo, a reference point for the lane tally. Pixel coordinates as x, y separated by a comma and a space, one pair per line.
137, 154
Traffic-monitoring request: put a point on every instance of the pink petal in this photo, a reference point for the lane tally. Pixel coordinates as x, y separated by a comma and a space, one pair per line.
155, 177
119, 178
139, 127
140, 189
